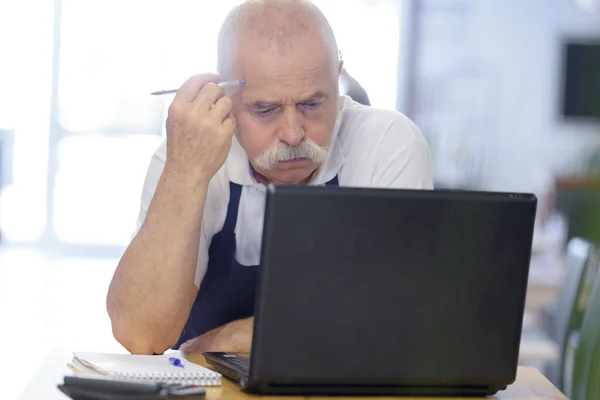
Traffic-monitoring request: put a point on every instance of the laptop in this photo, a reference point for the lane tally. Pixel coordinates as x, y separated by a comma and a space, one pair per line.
387, 292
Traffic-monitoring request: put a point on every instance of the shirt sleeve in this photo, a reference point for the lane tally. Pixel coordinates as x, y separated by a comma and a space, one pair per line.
155, 169
402, 163
157, 164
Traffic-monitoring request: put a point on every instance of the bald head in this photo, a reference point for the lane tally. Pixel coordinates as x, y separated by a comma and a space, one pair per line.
274, 26
286, 112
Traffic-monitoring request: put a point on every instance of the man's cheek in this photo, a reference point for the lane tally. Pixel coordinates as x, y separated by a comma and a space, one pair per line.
250, 144
240, 128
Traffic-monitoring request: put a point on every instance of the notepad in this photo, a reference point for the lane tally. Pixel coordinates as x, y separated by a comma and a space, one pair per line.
157, 368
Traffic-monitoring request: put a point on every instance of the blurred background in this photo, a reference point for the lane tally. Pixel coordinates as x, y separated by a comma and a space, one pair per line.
507, 93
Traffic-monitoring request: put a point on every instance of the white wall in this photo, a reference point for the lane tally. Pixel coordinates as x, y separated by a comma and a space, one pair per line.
511, 50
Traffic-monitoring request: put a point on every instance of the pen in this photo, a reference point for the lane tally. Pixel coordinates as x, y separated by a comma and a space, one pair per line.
176, 362
224, 84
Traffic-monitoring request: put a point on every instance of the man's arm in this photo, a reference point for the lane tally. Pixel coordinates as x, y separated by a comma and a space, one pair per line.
152, 290
234, 337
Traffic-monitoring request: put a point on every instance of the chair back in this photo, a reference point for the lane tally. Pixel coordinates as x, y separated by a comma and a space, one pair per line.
572, 302
586, 374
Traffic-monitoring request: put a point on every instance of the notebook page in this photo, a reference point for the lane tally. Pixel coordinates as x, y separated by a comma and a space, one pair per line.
144, 365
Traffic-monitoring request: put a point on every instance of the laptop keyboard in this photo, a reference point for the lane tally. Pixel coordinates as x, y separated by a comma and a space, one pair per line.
241, 361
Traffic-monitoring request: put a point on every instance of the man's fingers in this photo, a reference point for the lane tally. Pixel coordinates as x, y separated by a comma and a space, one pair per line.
190, 345
187, 346
229, 123
190, 89
222, 108
208, 96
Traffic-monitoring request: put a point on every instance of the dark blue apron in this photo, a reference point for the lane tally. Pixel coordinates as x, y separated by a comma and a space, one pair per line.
227, 291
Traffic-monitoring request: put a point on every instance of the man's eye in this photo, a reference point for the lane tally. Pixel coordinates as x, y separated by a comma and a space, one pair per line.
266, 112
312, 106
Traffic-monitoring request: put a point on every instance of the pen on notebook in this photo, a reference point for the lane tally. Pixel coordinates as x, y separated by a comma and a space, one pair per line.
176, 362
224, 84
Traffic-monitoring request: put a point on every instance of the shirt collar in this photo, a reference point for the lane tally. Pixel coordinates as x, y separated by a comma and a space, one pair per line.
237, 166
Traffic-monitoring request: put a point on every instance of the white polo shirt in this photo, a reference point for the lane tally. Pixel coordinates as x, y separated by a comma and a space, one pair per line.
369, 148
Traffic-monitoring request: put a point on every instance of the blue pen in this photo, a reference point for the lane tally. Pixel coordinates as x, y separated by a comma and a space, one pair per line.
176, 362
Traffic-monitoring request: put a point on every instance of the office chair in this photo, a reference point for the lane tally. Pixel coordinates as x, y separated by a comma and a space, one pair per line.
586, 376
560, 319
579, 282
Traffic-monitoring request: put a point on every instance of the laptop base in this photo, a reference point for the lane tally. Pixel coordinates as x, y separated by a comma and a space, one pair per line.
236, 366
348, 390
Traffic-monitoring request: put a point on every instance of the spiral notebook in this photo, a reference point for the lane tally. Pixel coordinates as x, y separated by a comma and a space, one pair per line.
168, 368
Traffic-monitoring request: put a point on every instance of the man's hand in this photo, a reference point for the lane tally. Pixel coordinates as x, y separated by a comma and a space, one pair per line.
235, 337
199, 128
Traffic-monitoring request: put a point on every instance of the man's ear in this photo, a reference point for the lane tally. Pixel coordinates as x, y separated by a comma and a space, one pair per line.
340, 67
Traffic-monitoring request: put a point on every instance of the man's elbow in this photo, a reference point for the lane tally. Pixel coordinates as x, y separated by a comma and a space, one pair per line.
142, 341
135, 337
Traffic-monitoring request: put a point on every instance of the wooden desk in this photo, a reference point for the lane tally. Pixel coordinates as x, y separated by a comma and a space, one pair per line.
530, 384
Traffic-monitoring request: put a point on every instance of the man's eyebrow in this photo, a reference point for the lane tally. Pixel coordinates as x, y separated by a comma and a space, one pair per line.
259, 104
316, 97
262, 104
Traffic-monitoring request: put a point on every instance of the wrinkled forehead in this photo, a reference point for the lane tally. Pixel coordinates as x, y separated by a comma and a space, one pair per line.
285, 87
279, 73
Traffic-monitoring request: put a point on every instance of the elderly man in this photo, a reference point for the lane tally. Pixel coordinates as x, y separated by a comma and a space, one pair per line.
187, 278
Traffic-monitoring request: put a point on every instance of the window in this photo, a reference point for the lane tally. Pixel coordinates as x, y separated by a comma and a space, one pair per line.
105, 126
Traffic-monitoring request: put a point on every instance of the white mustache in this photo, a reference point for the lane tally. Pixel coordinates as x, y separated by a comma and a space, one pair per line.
307, 149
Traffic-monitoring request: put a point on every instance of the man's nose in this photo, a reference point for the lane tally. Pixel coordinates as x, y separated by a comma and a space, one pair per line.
291, 131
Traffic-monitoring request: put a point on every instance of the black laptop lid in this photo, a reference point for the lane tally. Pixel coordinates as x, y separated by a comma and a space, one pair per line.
391, 287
